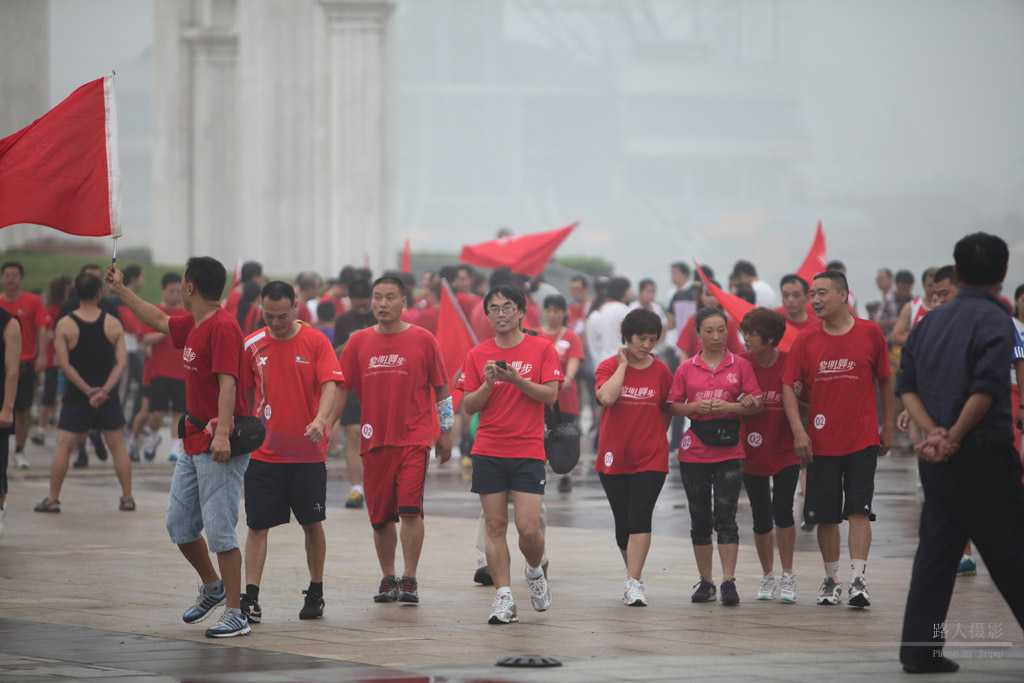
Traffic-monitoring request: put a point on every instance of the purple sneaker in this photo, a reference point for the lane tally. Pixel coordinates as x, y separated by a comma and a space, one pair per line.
729, 594
705, 591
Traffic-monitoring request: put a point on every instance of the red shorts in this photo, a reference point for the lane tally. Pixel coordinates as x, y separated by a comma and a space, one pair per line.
393, 479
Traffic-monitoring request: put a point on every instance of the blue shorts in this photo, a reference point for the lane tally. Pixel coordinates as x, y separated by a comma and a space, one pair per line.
492, 474
205, 495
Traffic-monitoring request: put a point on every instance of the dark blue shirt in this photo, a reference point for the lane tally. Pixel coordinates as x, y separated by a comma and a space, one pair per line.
963, 347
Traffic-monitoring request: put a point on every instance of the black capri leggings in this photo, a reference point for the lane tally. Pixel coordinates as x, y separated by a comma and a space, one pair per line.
632, 497
720, 480
771, 498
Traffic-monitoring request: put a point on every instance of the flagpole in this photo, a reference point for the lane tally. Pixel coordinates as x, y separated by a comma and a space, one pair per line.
114, 261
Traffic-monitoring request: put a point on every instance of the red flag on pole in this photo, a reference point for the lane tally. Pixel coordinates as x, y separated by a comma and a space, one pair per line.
816, 259
406, 258
63, 171
454, 336
737, 308
526, 254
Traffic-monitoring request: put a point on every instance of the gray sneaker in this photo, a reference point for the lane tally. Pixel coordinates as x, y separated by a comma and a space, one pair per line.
830, 592
859, 593
540, 593
504, 611
788, 592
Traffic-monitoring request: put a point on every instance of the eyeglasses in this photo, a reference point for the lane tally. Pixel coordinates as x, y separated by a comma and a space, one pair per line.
507, 309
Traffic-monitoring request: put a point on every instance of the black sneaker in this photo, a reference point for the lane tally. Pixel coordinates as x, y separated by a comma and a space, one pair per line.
388, 591
251, 609
97, 442
83, 458
565, 484
483, 576
313, 608
407, 590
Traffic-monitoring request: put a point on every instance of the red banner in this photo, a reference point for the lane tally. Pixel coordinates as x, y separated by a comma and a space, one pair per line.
62, 171
455, 337
406, 258
737, 308
816, 259
526, 254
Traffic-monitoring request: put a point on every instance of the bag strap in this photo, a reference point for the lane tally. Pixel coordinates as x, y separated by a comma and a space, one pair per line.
552, 412
195, 422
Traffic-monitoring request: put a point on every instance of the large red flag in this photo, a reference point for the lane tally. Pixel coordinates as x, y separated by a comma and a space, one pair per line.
63, 171
454, 336
737, 308
526, 254
816, 259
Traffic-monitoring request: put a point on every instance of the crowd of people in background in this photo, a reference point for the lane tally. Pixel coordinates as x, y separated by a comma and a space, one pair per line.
646, 379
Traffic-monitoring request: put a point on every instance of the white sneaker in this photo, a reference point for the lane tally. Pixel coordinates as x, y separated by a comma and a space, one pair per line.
766, 590
20, 461
504, 610
634, 594
788, 591
540, 594
149, 451
3, 512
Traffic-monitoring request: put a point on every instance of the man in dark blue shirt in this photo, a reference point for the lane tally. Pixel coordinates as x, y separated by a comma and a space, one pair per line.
954, 380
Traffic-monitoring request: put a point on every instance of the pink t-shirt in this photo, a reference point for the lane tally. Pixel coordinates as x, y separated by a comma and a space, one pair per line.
695, 381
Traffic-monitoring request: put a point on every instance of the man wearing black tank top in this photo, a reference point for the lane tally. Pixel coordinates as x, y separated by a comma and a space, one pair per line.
91, 353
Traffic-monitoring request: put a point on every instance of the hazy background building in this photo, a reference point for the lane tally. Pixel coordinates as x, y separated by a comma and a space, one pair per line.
672, 129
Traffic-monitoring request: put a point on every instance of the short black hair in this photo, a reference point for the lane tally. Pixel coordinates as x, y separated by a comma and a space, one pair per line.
705, 313
945, 273
277, 290
582, 279
835, 265
744, 268
250, 269
745, 292
646, 282
131, 274
555, 301
347, 275
364, 274
681, 267
887, 271
510, 292
640, 321
904, 277
929, 273
839, 280
981, 259
87, 286
307, 279
208, 276
360, 289
769, 325
385, 280
617, 288
89, 266
500, 276
793, 277
13, 264
169, 279
326, 310
449, 272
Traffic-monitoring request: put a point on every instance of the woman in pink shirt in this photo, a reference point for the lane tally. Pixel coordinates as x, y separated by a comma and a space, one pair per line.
708, 388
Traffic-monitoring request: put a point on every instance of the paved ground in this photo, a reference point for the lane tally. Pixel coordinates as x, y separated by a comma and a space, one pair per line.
97, 593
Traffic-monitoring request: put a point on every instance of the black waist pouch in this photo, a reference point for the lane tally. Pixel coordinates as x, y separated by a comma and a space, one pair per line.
246, 436
724, 432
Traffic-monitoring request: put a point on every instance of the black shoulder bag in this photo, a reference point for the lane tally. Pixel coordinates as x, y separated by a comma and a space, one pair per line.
561, 441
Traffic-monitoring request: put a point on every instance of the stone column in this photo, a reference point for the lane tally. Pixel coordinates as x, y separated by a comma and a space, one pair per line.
24, 83
356, 184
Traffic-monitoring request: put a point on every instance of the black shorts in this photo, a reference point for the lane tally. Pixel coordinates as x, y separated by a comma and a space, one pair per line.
492, 474
26, 386
166, 394
352, 413
49, 387
272, 489
82, 419
841, 485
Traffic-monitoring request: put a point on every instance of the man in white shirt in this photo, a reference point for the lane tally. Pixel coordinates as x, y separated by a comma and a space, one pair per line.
744, 271
604, 336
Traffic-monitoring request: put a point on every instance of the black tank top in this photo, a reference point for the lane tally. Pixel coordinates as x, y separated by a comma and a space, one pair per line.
92, 357
5, 318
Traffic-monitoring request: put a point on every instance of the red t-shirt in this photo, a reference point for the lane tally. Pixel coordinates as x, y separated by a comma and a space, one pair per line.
286, 377
231, 303
304, 314
689, 342
51, 351
164, 359
840, 371
469, 301
31, 314
212, 348
394, 376
511, 423
810, 321
427, 319
766, 437
694, 381
633, 435
568, 346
